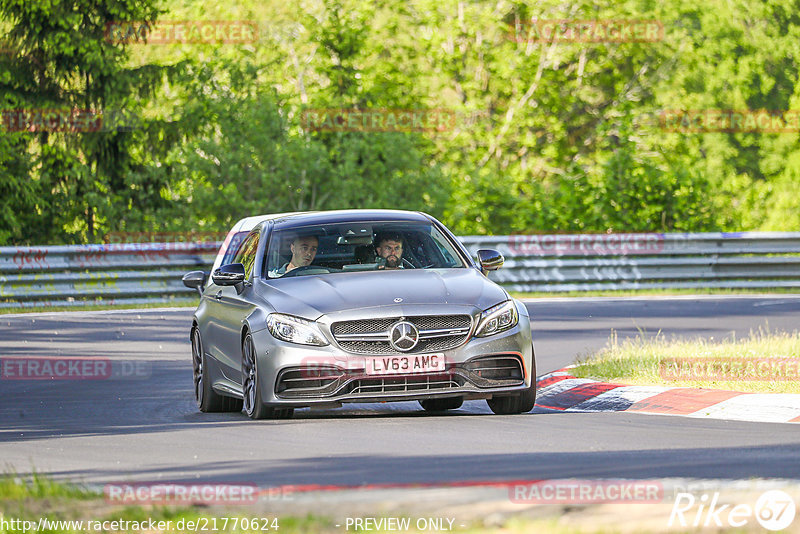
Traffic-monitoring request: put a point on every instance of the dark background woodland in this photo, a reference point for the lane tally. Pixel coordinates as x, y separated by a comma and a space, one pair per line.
555, 136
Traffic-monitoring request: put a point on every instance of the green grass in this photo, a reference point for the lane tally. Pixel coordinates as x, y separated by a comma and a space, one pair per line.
37, 486
729, 364
654, 292
38, 497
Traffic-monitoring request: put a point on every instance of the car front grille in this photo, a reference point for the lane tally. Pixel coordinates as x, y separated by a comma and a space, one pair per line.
404, 384
371, 336
318, 382
493, 371
309, 381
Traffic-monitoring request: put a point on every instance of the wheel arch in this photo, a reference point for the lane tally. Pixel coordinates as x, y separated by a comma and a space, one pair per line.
243, 334
255, 321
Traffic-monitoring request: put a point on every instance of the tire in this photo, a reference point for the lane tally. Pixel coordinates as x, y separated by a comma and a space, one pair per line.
520, 403
206, 398
254, 407
441, 405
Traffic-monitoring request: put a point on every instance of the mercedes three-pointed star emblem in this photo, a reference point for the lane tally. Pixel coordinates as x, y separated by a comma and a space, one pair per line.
403, 336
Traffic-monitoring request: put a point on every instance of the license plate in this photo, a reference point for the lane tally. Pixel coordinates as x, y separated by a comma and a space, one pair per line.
401, 365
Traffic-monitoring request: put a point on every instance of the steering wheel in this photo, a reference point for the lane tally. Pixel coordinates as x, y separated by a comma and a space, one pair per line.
298, 270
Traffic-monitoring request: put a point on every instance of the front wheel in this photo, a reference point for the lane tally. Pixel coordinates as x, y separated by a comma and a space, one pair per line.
206, 398
519, 403
254, 407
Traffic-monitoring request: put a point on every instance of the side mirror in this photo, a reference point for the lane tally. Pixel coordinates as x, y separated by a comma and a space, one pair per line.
195, 280
490, 260
231, 274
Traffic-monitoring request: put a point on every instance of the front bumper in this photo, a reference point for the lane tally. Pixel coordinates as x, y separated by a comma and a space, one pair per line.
298, 376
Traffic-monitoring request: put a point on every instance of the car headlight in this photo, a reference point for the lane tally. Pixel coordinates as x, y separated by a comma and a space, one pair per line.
497, 319
295, 330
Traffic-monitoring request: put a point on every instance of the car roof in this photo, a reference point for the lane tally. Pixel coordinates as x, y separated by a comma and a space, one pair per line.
302, 218
248, 223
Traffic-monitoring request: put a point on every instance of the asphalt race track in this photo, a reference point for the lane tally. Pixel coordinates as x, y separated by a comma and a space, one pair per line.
143, 424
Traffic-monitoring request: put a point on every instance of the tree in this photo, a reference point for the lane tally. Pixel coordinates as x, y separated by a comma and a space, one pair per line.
65, 66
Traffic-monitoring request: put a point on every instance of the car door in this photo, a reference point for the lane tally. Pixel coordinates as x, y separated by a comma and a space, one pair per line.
228, 309
208, 309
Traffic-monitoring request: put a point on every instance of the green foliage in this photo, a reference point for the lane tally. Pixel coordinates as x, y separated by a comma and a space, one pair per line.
14, 488
547, 137
61, 60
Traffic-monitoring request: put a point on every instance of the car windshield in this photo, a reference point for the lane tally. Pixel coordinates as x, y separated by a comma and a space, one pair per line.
358, 246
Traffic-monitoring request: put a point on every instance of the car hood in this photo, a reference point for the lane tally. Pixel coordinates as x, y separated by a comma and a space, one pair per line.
315, 295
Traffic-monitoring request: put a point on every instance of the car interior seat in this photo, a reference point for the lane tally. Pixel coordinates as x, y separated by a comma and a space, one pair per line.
364, 254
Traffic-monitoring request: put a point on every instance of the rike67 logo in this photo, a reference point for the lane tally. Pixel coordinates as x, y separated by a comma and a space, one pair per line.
774, 510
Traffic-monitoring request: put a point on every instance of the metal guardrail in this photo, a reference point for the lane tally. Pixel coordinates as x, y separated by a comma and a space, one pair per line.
134, 273
117, 273
589, 262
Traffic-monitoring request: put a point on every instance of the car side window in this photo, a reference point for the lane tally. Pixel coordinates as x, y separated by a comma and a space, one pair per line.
233, 247
246, 255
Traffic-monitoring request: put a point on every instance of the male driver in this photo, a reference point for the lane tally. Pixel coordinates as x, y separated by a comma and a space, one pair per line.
303, 248
390, 247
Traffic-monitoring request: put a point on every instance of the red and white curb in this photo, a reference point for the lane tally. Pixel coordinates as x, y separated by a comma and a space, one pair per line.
561, 391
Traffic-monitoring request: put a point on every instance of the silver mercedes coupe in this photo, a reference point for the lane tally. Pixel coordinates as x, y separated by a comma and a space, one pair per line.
320, 308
